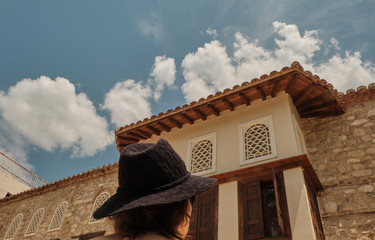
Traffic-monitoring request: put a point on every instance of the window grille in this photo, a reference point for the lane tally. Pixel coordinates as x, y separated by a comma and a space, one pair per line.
58, 217
98, 202
35, 221
257, 142
13, 228
202, 156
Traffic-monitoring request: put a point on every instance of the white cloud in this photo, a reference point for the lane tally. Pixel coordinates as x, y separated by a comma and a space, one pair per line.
207, 71
13, 145
347, 72
334, 43
151, 27
252, 60
211, 32
49, 114
128, 101
293, 46
163, 74
210, 69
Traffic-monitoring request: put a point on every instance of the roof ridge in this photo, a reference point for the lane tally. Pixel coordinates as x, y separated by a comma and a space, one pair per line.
95, 172
295, 66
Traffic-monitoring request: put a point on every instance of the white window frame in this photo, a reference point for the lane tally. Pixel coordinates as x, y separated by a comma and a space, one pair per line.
16, 229
267, 120
33, 220
192, 142
62, 220
92, 220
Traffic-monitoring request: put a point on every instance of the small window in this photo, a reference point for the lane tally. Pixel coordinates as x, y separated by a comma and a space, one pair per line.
257, 140
58, 217
98, 202
13, 228
35, 221
202, 154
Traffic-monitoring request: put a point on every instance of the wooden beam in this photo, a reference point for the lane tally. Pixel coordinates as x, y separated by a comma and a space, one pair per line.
291, 83
136, 135
177, 123
299, 98
130, 139
321, 114
261, 93
165, 127
228, 104
122, 145
143, 133
317, 107
189, 119
275, 87
200, 114
313, 101
244, 99
213, 109
154, 130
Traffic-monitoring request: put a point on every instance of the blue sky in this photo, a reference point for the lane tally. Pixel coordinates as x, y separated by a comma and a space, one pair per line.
71, 72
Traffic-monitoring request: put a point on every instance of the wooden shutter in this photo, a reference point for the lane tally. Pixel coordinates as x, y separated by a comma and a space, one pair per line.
251, 215
314, 209
281, 203
203, 224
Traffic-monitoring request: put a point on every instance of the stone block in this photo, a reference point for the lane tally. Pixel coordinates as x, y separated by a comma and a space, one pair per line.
371, 113
362, 173
366, 188
359, 122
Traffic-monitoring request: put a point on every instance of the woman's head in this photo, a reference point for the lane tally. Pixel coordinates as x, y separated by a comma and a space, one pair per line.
154, 190
168, 220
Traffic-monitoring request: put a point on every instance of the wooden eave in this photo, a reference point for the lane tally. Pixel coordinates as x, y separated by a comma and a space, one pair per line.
311, 96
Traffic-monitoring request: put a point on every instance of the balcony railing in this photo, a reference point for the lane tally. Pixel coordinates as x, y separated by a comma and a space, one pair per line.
22, 174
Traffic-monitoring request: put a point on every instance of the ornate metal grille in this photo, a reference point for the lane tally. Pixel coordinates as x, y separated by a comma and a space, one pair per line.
257, 142
201, 156
98, 202
35, 222
12, 230
58, 216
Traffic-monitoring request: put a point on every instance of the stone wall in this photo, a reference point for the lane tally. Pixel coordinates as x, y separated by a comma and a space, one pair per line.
342, 151
80, 195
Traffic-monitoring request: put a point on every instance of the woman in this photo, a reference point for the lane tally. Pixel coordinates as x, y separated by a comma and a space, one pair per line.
155, 194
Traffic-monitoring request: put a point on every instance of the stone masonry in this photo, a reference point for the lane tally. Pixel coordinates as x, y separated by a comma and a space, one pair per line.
342, 151
78, 191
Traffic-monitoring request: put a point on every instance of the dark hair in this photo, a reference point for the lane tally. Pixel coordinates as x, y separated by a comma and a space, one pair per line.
162, 219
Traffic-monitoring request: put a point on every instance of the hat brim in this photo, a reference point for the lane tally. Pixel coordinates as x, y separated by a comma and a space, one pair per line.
119, 203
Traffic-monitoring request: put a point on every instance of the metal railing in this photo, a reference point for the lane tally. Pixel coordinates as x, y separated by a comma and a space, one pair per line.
18, 171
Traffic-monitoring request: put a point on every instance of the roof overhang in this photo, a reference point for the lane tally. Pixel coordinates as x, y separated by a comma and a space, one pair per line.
311, 96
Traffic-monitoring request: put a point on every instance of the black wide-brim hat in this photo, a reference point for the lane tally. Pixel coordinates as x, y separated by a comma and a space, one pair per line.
151, 174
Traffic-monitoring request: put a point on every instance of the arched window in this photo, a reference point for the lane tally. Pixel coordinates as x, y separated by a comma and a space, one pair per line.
13, 228
257, 142
203, 154
35, 221
98, 202
58, 217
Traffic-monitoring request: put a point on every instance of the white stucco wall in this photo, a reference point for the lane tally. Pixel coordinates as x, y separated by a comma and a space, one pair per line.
10, 184
227, 131
298, 205
227, 212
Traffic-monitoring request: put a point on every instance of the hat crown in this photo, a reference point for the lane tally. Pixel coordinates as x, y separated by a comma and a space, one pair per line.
147, 167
